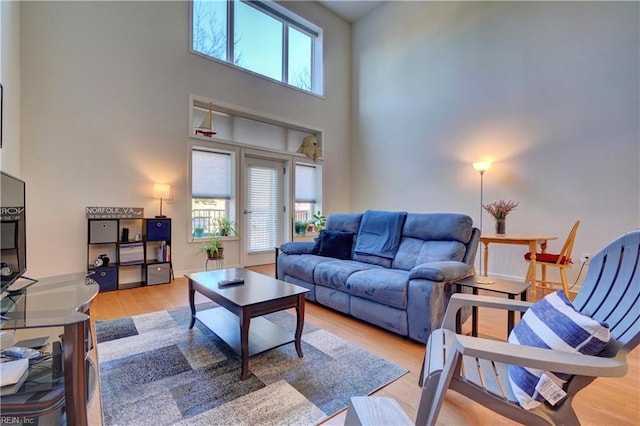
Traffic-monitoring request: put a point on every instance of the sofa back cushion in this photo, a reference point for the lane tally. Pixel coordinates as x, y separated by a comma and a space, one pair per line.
433, 237
348, 222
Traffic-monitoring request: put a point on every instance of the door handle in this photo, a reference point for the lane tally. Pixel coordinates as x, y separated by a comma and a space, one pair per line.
247, 211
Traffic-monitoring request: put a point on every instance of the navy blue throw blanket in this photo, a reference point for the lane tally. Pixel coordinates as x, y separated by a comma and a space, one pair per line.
379, 233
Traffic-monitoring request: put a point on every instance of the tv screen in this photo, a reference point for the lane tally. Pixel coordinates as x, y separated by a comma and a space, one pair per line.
13, 238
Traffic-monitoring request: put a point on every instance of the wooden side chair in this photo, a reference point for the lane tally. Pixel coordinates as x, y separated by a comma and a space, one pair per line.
560, 260
480, 368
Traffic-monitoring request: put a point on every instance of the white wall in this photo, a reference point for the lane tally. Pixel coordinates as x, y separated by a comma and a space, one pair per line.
10, 79
548, 91
105, 106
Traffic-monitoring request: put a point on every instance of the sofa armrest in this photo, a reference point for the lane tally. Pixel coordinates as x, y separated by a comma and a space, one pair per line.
297, 247
447, 270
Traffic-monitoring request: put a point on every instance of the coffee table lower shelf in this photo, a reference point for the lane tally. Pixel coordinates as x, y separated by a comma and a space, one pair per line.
263, 334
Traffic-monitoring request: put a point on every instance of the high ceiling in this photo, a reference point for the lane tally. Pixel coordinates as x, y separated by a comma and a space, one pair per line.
351, 10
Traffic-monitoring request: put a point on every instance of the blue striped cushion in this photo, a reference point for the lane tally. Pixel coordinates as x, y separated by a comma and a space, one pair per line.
553, 323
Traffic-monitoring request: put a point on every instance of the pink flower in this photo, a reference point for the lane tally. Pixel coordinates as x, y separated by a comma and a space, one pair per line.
500, 209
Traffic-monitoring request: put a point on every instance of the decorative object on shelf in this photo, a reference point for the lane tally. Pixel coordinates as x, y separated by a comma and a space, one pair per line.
481, 167
102, 260
206, 126
213, 247
310, 148
499, 210
161, 191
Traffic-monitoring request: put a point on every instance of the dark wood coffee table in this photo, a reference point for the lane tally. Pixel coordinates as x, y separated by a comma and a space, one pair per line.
259, 295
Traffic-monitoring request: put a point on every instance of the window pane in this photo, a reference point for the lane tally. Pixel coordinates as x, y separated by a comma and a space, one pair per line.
299, 59
210, 28
205, 213
257, 41
263, 204
304, 212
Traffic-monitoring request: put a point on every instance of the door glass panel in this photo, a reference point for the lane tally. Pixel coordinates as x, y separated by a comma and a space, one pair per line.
264, 208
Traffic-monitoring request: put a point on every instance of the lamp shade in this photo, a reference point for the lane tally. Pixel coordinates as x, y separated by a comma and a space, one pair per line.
161, 190
482, 166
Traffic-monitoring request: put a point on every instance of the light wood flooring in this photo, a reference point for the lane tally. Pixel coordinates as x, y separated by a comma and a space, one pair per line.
608, 401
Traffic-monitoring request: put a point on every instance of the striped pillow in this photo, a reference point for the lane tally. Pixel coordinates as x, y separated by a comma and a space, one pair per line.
553, 323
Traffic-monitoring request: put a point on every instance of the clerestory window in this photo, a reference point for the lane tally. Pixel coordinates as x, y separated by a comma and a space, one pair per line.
262, 37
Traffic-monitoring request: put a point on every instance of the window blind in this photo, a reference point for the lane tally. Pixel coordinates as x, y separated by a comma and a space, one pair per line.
305, 184
263, 204
211, 174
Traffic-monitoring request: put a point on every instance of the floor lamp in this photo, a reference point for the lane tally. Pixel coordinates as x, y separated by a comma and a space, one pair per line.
481, 166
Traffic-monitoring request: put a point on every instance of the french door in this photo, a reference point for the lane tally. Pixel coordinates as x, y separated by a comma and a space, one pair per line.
264, 211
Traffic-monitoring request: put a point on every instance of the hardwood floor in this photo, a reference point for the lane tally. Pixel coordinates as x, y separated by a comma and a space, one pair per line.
608, 401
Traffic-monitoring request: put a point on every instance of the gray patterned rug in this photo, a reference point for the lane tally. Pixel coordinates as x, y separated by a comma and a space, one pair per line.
155, 371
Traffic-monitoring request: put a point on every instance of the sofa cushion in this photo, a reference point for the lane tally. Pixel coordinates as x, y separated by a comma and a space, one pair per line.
335, 273
438, 226
385, 286
297, 247
349, 222
300, 266
553, 323
446, 270
413, 251
374, 260
336, 244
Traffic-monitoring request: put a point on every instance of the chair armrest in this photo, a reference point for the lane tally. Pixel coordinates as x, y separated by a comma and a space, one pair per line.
446, 270
542, 358
460, 300
297, 247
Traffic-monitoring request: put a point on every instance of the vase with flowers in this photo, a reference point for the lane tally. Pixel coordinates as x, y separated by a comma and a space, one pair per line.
499, 210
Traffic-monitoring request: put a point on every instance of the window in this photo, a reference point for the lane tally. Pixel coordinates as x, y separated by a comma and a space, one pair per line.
211, 190
306, 192
262, 37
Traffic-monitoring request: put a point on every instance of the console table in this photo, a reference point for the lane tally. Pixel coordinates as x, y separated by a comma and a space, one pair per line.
57, 302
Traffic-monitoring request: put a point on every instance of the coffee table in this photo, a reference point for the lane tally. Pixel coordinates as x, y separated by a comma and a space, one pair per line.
240, 303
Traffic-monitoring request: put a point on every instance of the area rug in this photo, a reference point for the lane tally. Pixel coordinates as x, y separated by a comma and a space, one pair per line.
155, 371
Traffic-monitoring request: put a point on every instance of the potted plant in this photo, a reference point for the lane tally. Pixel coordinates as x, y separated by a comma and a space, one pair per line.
213, 247
499, 210
198, 231
226, 227
318, 221
300, 227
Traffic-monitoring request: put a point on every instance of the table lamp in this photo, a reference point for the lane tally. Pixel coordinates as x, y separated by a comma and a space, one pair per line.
162, 191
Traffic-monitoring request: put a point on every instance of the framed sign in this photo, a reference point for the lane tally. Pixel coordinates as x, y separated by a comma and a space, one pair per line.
115, 212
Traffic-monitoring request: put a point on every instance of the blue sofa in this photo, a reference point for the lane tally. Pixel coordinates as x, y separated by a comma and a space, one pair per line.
394, 272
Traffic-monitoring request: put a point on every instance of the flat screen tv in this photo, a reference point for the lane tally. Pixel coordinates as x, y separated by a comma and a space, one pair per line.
13, 238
